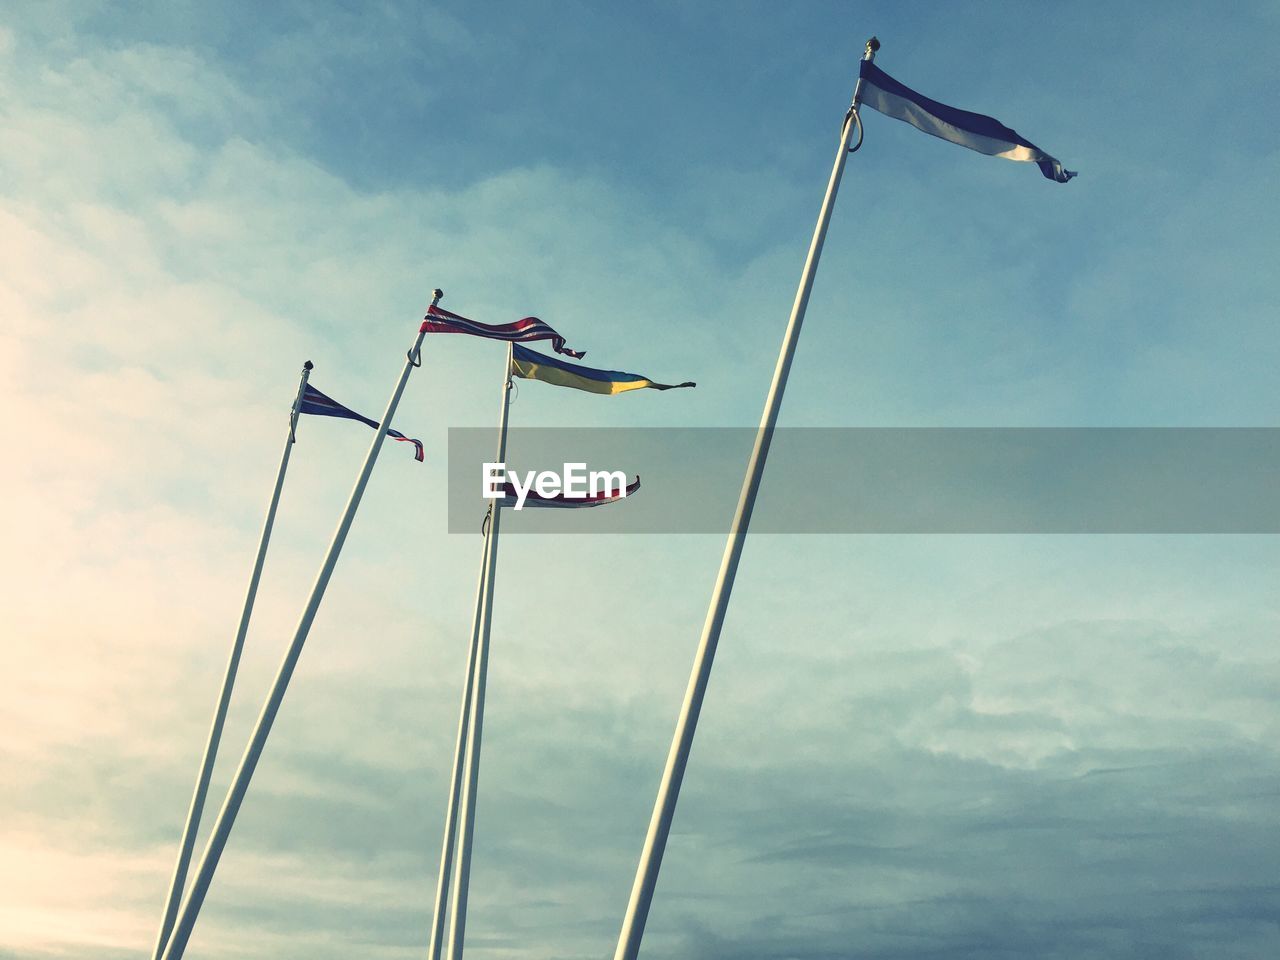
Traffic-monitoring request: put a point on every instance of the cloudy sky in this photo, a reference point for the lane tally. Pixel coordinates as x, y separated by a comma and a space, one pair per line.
913, 746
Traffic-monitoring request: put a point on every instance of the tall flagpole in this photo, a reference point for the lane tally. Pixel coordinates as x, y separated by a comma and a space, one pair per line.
466, 829
669, 790
455, 779
179, 880
239, 786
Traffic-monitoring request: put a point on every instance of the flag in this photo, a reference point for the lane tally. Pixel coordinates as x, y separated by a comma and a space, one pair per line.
985, 134
532, 498
313, 401
527, 364
530, 328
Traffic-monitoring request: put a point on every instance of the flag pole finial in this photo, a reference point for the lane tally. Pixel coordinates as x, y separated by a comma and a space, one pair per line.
868, 56
308, 365
415, 355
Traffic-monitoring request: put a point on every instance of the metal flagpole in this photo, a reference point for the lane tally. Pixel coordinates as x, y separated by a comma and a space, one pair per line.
240, 784
179, 880
466, 829
669, 790
455, 779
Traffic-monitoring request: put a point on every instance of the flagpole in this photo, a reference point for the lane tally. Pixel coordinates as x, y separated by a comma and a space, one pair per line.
466, 829
669, 789
179, 879
455, 779
240, 784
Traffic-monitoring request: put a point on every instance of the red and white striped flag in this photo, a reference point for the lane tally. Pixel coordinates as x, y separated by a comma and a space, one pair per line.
511, 497
530, 328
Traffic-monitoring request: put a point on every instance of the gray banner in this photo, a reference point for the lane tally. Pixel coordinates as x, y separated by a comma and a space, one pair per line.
896, 480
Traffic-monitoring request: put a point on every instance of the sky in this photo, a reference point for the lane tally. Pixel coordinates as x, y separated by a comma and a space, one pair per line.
913, 746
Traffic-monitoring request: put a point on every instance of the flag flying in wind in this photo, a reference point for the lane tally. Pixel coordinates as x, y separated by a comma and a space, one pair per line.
529, 365
530, 328
531, 498
313, 401
985, 134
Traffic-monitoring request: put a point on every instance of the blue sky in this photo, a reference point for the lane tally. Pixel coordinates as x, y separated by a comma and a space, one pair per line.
912, 746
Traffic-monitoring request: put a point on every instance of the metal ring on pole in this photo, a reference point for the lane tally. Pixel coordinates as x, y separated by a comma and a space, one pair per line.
853, 115
484, 524
414, 357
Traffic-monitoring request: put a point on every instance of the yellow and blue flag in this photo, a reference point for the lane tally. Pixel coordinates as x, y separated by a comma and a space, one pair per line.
529, 365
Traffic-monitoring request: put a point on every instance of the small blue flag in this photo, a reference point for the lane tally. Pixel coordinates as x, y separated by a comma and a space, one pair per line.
313, 401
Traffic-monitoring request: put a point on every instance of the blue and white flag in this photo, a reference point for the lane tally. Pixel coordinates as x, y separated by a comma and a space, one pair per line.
985, 134
315, 402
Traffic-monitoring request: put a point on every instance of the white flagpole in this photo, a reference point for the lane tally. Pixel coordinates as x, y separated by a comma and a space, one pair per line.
669, 790
466, 829
179, 880
240, 784
455, 779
